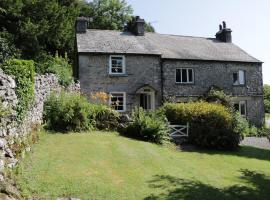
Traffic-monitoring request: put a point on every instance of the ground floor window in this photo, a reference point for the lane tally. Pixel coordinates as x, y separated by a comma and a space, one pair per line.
118, 101
241, 107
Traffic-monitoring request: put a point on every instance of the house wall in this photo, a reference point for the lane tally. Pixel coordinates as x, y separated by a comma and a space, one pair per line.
140, 70
220, 74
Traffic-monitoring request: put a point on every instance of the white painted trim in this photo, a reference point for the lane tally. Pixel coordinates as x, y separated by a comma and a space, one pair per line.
124, 65
124, 100
188, 82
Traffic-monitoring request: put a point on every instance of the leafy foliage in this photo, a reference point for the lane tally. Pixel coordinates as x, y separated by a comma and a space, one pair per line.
148, 127
7, 47
57, 65
40, 25
218, 96
211, 123
24, 73
72, 112
266, 89
107, 14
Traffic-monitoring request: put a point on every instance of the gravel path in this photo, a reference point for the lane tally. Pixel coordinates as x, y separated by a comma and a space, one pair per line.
260, 142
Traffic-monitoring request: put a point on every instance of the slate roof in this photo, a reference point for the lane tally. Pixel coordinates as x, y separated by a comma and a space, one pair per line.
167, 46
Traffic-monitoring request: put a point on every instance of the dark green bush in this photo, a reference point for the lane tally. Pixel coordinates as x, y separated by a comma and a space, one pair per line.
68, 112
148, 127
105, 117
266, 90
48, 64
24, 73
7, 47
211, 124
72, 112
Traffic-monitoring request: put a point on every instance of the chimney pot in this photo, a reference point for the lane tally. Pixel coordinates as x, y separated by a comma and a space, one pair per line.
220, 27
224, 24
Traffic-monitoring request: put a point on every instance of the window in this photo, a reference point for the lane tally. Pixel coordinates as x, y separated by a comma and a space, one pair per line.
239, 78
117, 65
118, 101
241, 108
184, 76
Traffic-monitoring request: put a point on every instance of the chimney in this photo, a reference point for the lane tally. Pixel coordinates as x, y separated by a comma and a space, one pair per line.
137, 26
224, 34
81, 24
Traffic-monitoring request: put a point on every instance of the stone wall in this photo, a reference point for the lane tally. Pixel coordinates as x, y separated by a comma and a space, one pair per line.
13, 131
140, 71
219, 74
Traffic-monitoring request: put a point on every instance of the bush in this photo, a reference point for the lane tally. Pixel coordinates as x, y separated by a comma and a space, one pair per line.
24, 73
105, 117
266, 90
72, 112
7, 47
211, 124
148, 127
68, 112
218, 96
57, 65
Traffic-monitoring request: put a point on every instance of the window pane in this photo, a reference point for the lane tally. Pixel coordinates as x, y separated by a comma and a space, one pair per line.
178, 75
190, 75
241, 77
236, 106
184, 75
235, 78
243, 108
116, 64
117, 101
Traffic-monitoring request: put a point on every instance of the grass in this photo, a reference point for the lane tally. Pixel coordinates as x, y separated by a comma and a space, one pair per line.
100, 165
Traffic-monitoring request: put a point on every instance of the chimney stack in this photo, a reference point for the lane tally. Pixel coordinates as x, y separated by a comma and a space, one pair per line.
137, 26
224, 34
81, 24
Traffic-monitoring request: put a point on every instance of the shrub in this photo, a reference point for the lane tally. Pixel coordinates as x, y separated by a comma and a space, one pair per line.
211, 124
72, 112
105, 117
266, 90
241, 125
57, 65
24, 73
68, 112
218, 96
148, 127
7, 47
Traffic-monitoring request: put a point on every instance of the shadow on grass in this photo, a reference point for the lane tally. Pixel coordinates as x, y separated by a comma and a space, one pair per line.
243, 151
175, 188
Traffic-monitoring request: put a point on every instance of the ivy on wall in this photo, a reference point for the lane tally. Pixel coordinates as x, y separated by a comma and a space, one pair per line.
24, 74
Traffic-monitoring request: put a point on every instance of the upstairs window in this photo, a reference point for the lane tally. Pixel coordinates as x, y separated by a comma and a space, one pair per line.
184, 75
239, 78
241, 108
118, 101
117, 65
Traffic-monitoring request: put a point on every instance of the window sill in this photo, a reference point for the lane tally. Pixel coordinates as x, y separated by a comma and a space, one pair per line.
117, 75
239, 85
184, 83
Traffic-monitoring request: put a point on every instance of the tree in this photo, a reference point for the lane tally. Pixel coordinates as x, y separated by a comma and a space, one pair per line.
40, 25
107, 14
266, 89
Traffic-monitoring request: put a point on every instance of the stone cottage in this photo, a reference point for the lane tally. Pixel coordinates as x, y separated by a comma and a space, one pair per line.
146, 69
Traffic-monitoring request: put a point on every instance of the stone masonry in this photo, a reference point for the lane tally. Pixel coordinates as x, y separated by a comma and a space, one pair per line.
11, 130
147, 70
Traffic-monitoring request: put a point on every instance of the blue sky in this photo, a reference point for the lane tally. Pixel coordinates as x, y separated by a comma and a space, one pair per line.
248, 19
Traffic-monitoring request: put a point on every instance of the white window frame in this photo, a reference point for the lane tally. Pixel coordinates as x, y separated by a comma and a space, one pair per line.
124, 100
123, 66
239, 107
188, 82
238, 77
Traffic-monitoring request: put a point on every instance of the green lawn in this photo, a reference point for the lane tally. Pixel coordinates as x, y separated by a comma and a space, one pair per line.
107, 166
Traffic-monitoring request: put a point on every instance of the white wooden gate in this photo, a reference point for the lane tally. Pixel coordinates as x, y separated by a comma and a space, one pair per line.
179, 131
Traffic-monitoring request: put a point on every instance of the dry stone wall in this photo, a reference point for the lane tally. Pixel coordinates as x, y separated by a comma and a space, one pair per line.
13, 131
